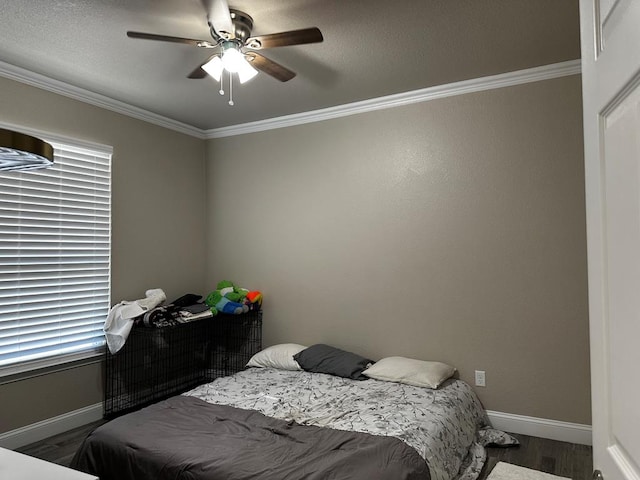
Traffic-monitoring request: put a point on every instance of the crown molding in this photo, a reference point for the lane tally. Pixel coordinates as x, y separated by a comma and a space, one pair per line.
46, 83
545, 72
518, 77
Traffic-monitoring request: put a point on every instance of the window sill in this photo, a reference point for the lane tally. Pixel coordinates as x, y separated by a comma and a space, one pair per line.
36, 368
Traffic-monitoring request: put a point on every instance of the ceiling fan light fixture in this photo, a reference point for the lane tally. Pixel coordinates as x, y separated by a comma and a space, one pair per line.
232, 59
246, 72
214, 67
19, 151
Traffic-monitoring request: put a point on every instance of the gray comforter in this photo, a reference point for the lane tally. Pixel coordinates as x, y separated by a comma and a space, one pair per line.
185, 438
440, 424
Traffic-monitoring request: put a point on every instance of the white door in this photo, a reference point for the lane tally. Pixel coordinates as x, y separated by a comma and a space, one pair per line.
611, 91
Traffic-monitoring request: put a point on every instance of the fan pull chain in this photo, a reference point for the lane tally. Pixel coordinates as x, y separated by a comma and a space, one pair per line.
221, 91
230, 89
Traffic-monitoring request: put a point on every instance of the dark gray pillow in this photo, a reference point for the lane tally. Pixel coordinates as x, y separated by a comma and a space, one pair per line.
321, 358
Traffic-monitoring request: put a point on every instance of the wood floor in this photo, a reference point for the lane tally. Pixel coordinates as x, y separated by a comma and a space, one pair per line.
558, 458
60, 448
550, 456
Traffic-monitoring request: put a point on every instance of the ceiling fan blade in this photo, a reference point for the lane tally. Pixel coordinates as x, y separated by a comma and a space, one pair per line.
218, 15
166, 38
199, 72
269, 67
283, 39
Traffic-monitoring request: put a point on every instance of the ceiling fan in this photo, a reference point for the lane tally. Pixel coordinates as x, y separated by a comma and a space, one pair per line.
236, 49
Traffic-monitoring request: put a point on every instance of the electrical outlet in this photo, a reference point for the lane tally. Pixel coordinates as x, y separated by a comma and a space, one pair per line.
480, 378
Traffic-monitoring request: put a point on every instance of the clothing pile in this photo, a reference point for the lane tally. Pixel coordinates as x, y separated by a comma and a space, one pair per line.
121, 317
151, 312
183, 310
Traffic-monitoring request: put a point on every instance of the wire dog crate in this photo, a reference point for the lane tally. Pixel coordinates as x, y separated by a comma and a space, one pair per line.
156, 363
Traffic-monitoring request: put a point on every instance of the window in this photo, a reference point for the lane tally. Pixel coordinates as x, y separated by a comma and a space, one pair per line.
55, 259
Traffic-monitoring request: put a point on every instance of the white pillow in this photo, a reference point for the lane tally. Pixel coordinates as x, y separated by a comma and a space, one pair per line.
412, 372
277, 356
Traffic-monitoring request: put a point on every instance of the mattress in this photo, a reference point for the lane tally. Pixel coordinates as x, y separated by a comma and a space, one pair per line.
441, 425
272, 424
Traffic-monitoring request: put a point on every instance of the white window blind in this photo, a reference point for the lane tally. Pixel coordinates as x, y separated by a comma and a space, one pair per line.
55, 258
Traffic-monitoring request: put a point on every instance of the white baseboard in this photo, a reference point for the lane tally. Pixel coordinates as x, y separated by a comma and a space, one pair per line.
509, 422
541, 427
51, 426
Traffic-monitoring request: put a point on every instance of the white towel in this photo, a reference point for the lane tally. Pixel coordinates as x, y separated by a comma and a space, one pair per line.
120, 318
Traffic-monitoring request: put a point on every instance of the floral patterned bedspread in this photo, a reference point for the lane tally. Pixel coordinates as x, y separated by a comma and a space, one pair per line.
442, 425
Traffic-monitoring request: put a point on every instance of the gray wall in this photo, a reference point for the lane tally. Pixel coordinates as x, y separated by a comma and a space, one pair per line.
158, 212
450, 230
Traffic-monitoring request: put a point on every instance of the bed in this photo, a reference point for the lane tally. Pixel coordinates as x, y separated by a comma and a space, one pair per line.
279, 423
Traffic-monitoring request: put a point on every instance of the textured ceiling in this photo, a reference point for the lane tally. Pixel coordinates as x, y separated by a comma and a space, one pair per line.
372, 48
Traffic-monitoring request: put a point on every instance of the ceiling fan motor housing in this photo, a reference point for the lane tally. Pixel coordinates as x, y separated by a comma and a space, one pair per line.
242, 25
